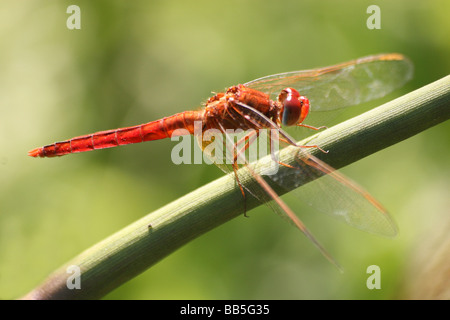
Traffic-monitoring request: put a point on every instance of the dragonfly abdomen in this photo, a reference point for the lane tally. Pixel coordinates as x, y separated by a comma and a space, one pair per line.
155, 130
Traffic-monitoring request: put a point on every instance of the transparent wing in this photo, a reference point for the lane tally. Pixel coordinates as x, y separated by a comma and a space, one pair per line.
248, 178
323, 188
332, 193
344, 84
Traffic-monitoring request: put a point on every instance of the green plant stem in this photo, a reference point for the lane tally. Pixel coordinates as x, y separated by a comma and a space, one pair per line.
132, 250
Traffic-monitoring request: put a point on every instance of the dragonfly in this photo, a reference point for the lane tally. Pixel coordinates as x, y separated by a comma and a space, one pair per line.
270, 103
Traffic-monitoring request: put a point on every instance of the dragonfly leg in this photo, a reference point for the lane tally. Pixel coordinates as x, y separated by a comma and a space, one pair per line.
314, 146
272, 151
235, 169
249, 139
311, 127
235, 163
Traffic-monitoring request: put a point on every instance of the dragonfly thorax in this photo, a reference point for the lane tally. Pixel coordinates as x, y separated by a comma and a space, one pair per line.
240, 108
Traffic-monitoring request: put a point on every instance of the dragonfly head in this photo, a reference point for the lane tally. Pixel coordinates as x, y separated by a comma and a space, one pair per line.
294, 107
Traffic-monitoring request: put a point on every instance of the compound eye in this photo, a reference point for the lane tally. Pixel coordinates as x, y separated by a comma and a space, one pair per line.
294, 107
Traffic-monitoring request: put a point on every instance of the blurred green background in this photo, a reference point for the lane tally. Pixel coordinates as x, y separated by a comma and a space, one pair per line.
137, 61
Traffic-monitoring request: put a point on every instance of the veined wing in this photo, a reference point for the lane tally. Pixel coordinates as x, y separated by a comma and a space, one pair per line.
331, 192
260, 189
342, 85
325, 189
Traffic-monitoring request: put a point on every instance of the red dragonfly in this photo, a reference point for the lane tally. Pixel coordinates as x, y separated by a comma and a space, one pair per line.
250, 107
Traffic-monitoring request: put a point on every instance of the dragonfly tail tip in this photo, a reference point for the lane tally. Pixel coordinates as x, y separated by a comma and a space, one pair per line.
35, 152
